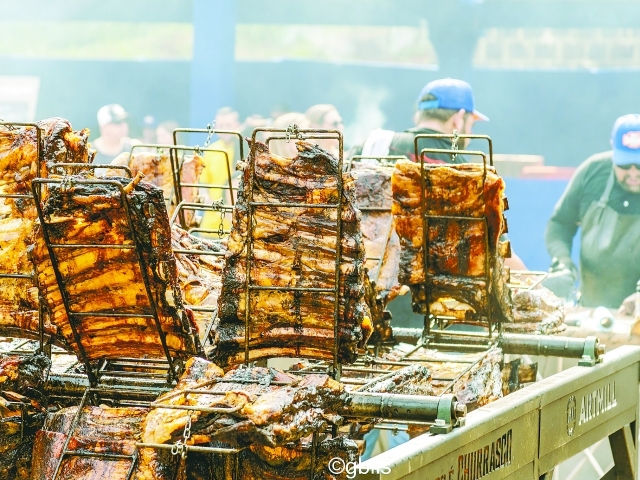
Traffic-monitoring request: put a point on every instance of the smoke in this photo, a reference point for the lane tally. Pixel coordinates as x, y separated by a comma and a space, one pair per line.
369, 114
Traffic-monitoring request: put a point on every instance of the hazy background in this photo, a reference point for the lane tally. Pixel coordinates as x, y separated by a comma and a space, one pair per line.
552, 74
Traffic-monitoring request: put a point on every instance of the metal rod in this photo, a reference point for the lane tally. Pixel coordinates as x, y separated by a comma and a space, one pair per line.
109, 314
387, 405
189, 448
292, 289
78, 245
15, 195
544, 345
293, 205
92, 166
459, 135
198, 206
16, 275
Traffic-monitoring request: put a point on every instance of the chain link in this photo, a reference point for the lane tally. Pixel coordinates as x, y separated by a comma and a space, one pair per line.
8, 127
209, 133
218, 206
454, 145
293, 130
180, 447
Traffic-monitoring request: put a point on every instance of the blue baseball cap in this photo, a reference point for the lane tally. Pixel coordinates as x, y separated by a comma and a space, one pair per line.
625, 140
451, 94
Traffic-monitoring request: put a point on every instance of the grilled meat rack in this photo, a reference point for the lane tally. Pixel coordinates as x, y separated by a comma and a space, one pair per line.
107, 383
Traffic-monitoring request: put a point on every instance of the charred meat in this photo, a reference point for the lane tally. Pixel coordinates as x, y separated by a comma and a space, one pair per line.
465, 278
22, 411
20, 164
108, 281
293, 247
102, 431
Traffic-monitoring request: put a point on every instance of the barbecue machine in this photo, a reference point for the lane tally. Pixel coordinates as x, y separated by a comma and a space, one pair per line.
538, 408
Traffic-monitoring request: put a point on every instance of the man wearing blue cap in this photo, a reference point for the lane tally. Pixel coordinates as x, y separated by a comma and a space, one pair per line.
443, 106
603, 199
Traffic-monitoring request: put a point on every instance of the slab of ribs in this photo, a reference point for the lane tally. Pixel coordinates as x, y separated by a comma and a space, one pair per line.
293, 247
465, 279
110, 280
382, 246
20, 164
270, 417
22, 411
99, 432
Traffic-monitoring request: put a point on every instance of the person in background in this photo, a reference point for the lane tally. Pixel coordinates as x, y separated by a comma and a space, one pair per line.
443, 106
215, 166
281, 147
251, 123
149, 129
603, 199
164, 132
279, 110
114, 134
325, 117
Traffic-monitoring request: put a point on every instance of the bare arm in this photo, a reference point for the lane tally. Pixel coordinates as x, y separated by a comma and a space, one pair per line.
515, 262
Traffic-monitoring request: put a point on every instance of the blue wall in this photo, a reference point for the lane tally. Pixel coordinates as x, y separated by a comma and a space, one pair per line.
531, 203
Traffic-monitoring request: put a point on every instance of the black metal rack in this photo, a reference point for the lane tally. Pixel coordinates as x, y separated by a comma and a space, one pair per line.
300, 134
176, 169
75, 318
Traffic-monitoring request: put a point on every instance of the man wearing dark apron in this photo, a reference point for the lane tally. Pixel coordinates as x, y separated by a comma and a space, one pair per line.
603, 199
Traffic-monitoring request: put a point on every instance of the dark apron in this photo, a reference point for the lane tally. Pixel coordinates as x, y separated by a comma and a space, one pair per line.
609, 253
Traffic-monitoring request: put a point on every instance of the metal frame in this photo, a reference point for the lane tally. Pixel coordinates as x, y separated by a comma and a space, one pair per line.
176, 169
74, 317
39, 159
540, 426
425, 226
78, 453
210, 132
453, 136
199, 206
302, 134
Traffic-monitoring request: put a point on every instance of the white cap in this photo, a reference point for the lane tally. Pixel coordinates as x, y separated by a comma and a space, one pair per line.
112, 113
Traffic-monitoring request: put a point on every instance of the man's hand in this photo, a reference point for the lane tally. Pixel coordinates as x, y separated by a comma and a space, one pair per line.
562, 277
628, 306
